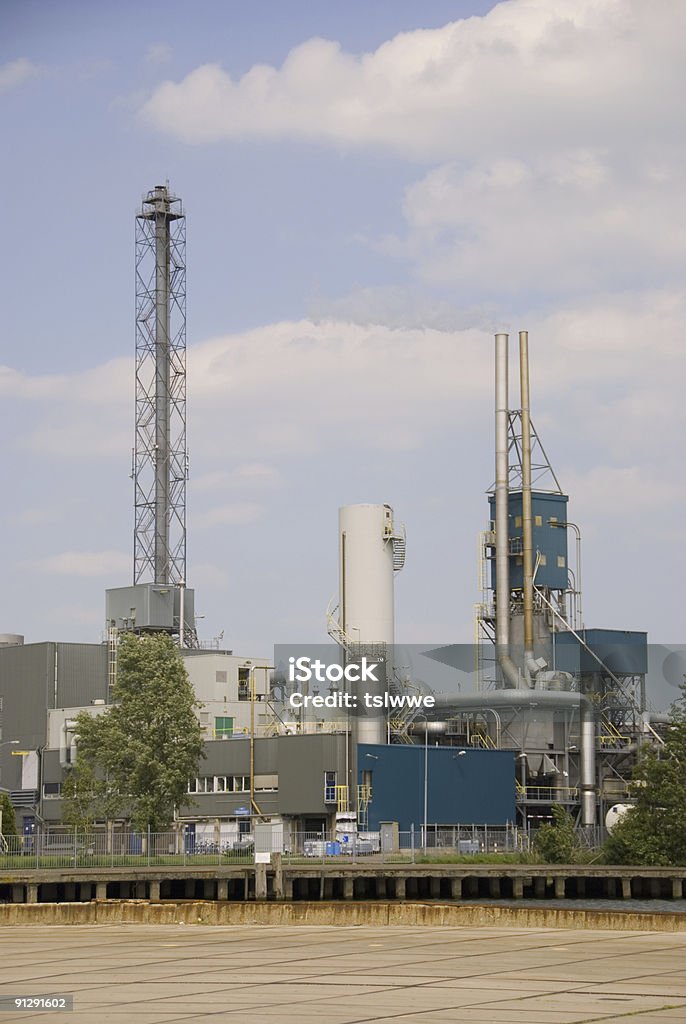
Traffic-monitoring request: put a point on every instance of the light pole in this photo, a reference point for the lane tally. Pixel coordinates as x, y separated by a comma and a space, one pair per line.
426, 780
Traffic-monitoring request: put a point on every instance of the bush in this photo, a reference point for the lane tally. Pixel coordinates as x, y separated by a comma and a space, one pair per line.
557, 843
9, 820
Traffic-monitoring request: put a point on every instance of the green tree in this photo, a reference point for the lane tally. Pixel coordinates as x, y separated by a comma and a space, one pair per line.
557, 843
9, 819
135, 759
653, 831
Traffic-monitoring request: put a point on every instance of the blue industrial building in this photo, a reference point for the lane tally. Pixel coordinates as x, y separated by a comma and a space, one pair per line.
624, 652
549, 512
468, 787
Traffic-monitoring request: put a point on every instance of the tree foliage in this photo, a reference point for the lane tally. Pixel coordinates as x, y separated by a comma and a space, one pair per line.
9, 819
653, 832
557, 843
135, 759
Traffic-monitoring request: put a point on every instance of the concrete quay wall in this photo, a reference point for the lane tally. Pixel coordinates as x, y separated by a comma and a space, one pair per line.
339, 914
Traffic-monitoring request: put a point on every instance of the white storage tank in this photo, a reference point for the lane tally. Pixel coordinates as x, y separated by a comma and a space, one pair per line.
11, 640
366, 573
371, 550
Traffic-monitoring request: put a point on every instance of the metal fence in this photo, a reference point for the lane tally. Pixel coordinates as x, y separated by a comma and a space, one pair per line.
185, 848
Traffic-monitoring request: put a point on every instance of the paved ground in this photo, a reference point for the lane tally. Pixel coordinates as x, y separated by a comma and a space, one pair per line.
263, 975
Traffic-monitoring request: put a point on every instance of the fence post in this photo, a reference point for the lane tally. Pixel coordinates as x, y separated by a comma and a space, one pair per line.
148, 844
412, 840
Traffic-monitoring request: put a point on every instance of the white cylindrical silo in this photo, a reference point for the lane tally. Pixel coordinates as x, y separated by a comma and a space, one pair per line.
366, 573
371, 549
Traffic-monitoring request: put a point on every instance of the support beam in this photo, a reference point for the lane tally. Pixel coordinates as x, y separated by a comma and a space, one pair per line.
260, 881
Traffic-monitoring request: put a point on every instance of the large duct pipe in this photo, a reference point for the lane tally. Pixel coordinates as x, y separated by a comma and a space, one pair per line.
530, 665
587, 773
502, 540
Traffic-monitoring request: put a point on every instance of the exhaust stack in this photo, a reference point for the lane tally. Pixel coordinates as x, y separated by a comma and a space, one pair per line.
508, 668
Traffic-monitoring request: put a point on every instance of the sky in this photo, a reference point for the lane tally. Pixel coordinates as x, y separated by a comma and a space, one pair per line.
372, 190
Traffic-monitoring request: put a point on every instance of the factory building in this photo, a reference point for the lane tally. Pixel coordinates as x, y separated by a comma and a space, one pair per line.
556, 716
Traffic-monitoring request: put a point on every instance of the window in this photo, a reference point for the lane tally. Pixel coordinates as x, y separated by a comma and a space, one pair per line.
203, 784
220, 677
560, 561
518, 521
244, 683
542, 559
329, 787
538, 520
223, 727
220, 784
52, 790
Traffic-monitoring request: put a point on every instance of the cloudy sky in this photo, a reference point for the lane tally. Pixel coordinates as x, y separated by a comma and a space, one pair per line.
372, 189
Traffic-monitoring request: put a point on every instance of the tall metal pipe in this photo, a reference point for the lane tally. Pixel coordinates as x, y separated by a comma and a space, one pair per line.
527, 518
502, 539
587, 773
162, 408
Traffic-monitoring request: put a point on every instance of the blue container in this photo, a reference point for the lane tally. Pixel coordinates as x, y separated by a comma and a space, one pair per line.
333, 849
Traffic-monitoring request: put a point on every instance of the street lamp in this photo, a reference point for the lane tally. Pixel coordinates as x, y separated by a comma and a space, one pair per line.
426, 780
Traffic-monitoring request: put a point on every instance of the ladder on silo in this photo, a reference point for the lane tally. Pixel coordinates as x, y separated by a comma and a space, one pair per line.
112, 641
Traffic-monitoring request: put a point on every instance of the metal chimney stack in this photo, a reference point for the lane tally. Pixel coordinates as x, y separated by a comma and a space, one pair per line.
160, 456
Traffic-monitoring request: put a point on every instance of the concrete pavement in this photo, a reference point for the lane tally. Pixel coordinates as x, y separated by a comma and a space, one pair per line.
345, 975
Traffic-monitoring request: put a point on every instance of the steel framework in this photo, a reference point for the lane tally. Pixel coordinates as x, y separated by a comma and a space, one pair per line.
160, 458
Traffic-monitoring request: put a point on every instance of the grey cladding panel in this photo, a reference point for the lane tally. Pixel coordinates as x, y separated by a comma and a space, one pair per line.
81, 674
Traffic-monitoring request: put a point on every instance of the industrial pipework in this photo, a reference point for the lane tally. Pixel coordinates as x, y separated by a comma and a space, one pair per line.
511, 675
530, 666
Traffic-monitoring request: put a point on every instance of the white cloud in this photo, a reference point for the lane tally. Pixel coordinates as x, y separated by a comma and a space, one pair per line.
83, 563
549, 72
612, 365
249, 476
622, 492
158, 53
16, 72
576, 221
240, 513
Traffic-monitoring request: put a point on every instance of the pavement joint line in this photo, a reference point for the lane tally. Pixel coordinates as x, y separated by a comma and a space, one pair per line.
632, 1013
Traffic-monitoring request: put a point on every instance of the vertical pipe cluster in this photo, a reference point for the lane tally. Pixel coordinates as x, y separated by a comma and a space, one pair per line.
510, 673
502, 494
527, 519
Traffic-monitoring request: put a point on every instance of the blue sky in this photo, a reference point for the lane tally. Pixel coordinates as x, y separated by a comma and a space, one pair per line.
372, 189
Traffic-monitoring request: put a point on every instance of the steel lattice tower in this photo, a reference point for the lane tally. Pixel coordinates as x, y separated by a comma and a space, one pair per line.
160, 459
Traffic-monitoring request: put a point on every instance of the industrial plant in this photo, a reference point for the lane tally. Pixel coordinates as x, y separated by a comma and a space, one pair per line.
556, 714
